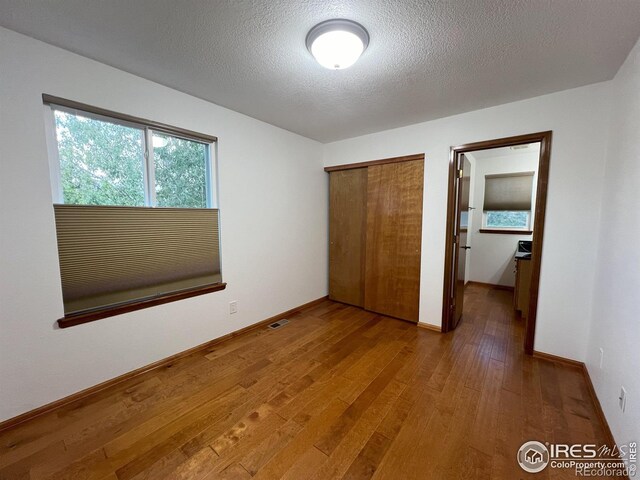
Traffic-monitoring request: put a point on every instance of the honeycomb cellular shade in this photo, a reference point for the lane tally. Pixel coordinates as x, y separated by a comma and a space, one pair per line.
115, 255
508, 192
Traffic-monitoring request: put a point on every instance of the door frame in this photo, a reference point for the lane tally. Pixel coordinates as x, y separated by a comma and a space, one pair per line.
459, 186
544, 138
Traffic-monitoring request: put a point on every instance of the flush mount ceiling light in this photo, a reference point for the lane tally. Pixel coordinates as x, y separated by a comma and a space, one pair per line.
338, 43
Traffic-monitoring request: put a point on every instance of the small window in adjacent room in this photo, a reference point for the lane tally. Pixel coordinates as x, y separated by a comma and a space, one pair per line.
507, 201
507, 219
135, 211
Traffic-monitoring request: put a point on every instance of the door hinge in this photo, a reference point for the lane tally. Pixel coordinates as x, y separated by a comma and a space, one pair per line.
460, 173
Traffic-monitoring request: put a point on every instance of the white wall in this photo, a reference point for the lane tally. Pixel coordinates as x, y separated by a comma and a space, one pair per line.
491, 258
273, 199
616, 318
577, 118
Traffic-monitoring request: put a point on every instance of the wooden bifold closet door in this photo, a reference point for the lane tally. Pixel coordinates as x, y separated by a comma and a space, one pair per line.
375, 232
347, 227
394, 237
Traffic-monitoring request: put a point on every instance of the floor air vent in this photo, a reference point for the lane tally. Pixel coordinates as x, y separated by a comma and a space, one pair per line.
278, 324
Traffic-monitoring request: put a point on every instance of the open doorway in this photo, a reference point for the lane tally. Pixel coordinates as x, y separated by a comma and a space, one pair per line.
495, 223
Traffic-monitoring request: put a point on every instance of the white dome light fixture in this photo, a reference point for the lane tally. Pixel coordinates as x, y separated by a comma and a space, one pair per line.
337, 43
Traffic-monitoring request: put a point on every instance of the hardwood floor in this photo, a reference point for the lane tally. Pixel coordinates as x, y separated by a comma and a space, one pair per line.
336, 393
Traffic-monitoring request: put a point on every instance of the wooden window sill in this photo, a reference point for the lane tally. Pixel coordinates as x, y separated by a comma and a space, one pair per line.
71, 320
506, 232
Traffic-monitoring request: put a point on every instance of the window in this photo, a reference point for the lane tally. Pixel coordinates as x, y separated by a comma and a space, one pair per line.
135, 213
106, 161
101, 163
180, 172
507, 201
507, 219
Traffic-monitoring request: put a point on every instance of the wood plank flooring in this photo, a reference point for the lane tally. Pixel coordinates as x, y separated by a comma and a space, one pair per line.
338, 393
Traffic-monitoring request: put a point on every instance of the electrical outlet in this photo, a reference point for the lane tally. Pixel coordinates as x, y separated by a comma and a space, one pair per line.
622, 399
601, 357
233, 307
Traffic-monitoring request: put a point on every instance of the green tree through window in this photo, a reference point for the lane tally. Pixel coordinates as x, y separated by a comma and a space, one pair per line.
103, 163
507, 219
180, 172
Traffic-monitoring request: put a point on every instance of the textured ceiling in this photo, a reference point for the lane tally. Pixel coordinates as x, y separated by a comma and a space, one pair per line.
427, 58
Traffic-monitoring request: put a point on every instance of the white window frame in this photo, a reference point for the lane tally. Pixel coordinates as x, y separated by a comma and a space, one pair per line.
526, 228
149, 162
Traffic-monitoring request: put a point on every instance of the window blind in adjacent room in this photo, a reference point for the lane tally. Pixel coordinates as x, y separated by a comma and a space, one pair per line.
114, 255
508, 191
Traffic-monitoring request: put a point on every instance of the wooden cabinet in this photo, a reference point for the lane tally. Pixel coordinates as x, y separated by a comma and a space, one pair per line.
375, 233
522, 291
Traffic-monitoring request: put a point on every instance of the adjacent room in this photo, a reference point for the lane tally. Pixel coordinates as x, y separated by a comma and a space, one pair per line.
319, 239
496, 237
501, 185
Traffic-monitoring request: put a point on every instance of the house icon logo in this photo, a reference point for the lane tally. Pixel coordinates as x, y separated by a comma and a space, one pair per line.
533, 457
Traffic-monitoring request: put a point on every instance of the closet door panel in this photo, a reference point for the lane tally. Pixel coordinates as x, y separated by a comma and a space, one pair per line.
347, 230
393, 239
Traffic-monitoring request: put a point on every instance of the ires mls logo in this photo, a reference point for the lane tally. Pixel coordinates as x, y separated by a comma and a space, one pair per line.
533, 457
577, 451
587, 460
